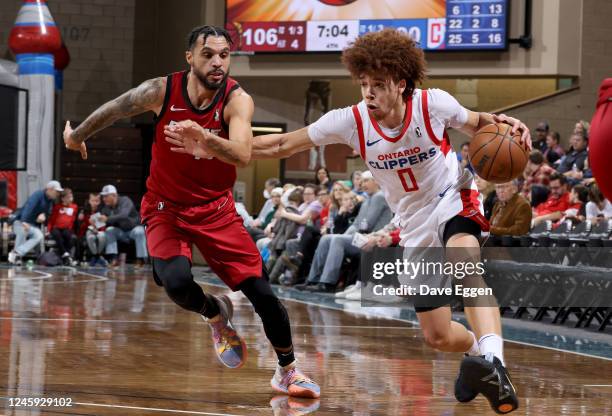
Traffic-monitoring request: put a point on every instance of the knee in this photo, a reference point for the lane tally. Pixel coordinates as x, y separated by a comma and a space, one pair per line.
436, 338
138, 232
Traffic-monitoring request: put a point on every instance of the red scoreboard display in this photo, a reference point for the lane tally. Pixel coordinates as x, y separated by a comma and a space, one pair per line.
330, 25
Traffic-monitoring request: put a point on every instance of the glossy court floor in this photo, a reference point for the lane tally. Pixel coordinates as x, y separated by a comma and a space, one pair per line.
115, 345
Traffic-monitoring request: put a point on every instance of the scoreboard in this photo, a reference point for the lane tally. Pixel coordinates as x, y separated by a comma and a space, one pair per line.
461, 25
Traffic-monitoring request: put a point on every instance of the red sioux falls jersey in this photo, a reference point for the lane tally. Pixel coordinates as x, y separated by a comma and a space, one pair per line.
414, 164
184, 179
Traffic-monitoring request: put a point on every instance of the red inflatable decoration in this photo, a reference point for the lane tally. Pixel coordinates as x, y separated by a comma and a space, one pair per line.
600, 140
61, 58
34, 30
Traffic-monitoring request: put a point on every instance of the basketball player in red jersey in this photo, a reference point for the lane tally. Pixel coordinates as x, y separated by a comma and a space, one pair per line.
189, 199
400, 132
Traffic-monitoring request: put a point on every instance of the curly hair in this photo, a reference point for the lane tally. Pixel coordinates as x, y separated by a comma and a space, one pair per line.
390, 52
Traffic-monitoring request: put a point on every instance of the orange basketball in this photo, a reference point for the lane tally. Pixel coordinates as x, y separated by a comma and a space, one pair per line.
496, 155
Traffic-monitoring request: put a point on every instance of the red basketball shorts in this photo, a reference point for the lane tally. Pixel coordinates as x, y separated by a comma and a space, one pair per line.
215, 228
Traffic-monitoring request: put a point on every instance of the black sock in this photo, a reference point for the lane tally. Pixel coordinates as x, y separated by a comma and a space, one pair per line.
285, 358
211, 307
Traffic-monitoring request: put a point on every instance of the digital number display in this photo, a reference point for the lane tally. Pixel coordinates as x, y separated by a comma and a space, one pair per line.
437, 25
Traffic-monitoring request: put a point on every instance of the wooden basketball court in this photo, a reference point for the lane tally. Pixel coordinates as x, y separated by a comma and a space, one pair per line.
114, 344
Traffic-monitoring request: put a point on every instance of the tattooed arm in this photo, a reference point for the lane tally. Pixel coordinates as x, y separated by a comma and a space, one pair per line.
148, 96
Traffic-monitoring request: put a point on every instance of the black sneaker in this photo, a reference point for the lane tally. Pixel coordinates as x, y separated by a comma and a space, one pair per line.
463, 393
306, 285
488, 376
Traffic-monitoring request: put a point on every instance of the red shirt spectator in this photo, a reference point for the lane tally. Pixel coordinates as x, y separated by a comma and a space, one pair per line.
63, 216
536, 172
553, 204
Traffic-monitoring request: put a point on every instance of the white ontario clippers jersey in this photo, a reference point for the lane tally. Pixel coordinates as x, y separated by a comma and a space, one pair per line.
416, 165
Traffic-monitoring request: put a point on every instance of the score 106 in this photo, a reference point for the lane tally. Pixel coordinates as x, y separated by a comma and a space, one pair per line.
270, 36
415, 32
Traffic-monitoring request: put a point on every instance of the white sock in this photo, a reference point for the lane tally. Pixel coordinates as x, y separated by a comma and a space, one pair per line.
474, 350
492, 343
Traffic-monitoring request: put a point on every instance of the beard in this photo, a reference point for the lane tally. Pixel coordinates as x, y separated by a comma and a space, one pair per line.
203, 78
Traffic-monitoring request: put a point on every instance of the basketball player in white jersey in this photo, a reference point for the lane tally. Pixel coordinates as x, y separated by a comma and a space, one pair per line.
400, 132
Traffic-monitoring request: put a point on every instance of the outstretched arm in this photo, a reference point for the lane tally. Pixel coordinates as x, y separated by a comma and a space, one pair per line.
280, 146
148, 96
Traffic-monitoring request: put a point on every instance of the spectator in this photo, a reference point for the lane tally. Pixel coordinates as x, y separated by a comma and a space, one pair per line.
299, 253
283, 228
338, 190
464, 156
122, 223
35, 211
373, 215
323, 177
553, 151
558, 201
539, 140
598, 207
573, 164
92, 228
270, 184
256, 230
61, 225
536, 173
309, 210
511, 213
487, 190
579, 196
324, 198
582, 128
356, 185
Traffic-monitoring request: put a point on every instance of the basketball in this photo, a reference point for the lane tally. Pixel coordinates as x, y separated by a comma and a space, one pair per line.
496, 155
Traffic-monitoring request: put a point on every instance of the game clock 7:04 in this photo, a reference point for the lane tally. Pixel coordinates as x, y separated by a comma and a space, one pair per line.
332, 31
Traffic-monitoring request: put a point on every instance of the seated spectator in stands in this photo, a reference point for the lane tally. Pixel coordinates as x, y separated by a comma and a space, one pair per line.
464, 158
269, 186
598, 207
61, 225
298, 254
536, 173
256, 229
28, 219
573, 164
578, 198
324, 198
582, 128
553, 151
282, 229
373, 215
322, 177
122, 223
92, 229
487, 190
539, 139
309, 210
558, 201
511, 213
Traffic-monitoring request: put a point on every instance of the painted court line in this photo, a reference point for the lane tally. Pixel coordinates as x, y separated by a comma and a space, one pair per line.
119, 321
597, 385
154, 409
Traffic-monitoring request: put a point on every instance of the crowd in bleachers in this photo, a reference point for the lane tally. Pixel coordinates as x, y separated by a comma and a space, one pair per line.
311, 236
51, 228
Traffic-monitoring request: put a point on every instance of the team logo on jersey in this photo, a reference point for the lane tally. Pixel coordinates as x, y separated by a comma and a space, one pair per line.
369, 143
402, 159
173, 108
418, 132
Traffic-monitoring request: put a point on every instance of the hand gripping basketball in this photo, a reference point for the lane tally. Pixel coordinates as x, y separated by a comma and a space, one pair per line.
517, 125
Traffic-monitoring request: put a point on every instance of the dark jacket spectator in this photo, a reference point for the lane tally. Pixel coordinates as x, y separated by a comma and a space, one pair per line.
511, 213
40, 202
576, 158
122, 214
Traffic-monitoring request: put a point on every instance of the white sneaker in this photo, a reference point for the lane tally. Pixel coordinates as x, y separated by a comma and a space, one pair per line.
14, 257
349, 289
354, 295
